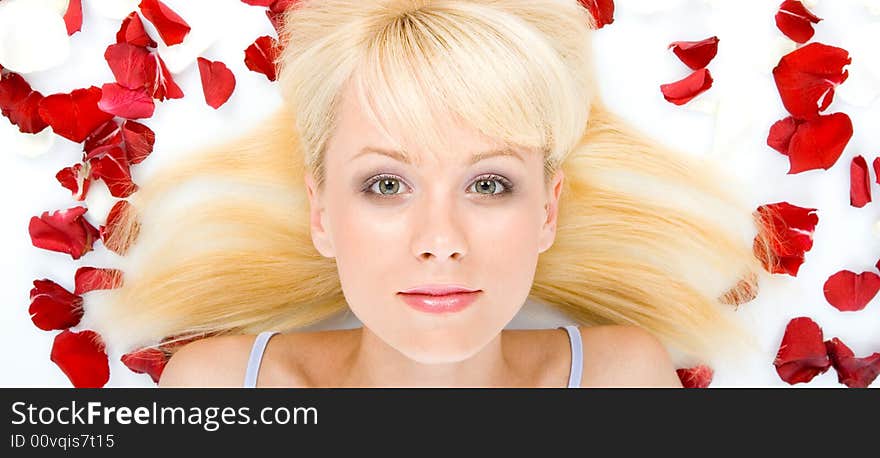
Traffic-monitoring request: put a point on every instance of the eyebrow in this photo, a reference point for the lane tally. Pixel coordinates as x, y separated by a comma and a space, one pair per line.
474, 159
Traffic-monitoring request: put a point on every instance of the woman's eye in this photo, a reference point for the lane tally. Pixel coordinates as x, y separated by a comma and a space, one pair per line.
386, 186
487, 185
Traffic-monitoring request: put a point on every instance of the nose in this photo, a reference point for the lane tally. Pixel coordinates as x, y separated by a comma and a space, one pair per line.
439, 231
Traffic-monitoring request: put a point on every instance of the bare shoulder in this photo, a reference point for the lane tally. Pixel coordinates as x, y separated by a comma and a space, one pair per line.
625, 356
217, 361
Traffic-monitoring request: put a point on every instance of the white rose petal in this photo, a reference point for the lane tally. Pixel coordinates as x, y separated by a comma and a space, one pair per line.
27, 145
60, 6
33, 36
114, 9
860, 88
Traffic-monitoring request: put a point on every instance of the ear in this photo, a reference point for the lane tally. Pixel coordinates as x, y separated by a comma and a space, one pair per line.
320, 237
551, 208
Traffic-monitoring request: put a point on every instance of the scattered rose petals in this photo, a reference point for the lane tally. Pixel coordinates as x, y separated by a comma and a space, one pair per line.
92, 278
682, 91
696, 54
139, 141
132, 31
696, 377
53, 307
20, 103
112, 166
602, 11
171, 27
111, 240
218, 82
809, 145
802, 354
795, 21
790, 231
128, 63
81, 356
73, 17
126, 103
163, 85
77, 179
65, 231
849, 292
851, 371
859, 182
108, 134
146, 361
75, 115
808, 74
261, 56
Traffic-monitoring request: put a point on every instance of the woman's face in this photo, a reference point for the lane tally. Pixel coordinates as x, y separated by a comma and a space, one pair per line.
393, 225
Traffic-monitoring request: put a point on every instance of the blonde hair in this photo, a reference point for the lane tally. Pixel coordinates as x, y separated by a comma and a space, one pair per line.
646, 236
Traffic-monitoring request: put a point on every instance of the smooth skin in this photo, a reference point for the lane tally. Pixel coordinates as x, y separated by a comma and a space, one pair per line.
441, 218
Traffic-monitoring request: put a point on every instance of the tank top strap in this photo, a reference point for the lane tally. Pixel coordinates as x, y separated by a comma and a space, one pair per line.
256, 357
577, 357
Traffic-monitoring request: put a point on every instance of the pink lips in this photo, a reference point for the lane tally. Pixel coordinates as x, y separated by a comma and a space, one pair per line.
439, 298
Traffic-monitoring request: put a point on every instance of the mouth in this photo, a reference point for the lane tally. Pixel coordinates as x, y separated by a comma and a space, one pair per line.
440, 303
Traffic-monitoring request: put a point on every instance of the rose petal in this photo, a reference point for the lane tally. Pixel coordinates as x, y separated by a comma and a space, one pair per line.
126, 103
808, 74
128, 63
82, 357
744, 291
859, 182
265, 3
171, 27
146, 361
132, 31
73, 17
276, 12
876, 165
24, 144
802, 354
795, 21
814, 144
75, 115
77, 179
682, 91
92, 278
262, 55
601, 10
65, 231
139, 140
112, 166
115, 242
696, 54
53, 307
849, 292
20, 103
851, 371
790, 231
696, 377
109, 133
218, 82
33, 35
163, 85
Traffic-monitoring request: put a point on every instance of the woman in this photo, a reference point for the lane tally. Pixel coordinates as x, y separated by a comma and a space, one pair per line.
436, 163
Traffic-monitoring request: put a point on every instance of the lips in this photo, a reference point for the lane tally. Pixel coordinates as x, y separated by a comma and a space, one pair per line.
440, 303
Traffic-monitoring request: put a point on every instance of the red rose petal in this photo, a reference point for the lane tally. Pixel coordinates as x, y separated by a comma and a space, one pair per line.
171, 27
796, 21
218, 82
265, 3
65, 231
132, 31
108, 134
128, 63
112, 167
139, 141
53, 307
851, 371
276, 12
810, 145
75, 115
602, 11
849, 292
162, 86
77, 179
696, 377
126, 103
696, 54
808, 74
682, 91
108, 231
146, 361
92, 278
859, 182
790, 230
82, 357
73, 17
261, 56
802, 354
20, 103
876, 165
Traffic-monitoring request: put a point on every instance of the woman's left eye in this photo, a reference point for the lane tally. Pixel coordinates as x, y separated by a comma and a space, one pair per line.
488, 184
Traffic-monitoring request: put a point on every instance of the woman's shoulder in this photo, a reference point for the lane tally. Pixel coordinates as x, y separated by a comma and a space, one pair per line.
625, 356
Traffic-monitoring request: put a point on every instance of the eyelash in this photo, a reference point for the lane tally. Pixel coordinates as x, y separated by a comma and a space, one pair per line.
507, 184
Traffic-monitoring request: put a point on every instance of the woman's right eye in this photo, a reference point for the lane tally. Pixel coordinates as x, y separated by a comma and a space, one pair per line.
384, 186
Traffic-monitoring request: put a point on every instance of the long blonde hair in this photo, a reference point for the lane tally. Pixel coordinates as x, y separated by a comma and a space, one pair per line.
646, 236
